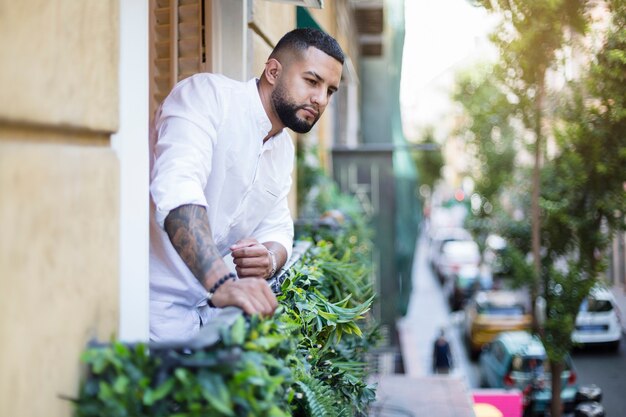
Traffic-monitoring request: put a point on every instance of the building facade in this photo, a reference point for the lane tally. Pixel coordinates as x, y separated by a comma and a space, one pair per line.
79, 82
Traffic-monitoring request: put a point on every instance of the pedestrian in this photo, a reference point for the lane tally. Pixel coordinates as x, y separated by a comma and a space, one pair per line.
442, 356
221, 163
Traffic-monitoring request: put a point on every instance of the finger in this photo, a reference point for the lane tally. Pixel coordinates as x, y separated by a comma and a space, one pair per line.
252, 296
247, 306
236, 293
256, 262
250, 252
260, 263
257, 302
248, 241
271, 298
264, 303
257, 296
250, 272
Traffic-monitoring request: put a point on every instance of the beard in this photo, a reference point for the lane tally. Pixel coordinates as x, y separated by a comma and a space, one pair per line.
286, 110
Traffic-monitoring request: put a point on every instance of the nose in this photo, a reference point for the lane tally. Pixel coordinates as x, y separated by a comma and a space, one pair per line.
320, 98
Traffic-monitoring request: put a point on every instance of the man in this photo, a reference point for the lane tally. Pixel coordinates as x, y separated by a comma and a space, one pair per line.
221, 173
442, 356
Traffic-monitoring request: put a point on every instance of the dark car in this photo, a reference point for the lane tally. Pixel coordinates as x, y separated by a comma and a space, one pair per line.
518, 360
463, 285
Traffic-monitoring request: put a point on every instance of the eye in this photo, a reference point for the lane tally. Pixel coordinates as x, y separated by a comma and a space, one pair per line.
312, 81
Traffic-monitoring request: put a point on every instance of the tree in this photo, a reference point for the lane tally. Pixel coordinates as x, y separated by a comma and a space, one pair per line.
584, 196
584, 186
530, 34
490, 142
488, 128
428, 160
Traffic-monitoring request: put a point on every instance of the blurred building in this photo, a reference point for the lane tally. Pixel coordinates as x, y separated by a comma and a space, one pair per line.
377, 168
78, 84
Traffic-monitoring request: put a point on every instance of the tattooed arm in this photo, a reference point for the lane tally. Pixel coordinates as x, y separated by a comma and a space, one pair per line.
190, 233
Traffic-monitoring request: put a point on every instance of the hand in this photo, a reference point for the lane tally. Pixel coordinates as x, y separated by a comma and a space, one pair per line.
252, 259
253, 296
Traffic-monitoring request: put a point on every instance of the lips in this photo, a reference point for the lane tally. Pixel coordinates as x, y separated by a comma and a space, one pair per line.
310, 111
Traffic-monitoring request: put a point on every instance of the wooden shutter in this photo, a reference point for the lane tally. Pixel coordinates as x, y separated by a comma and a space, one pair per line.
179, 44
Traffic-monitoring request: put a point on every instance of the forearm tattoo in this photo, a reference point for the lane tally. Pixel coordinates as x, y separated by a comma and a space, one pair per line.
190, 233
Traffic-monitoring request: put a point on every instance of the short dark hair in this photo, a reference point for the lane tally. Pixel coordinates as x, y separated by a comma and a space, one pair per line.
301, 39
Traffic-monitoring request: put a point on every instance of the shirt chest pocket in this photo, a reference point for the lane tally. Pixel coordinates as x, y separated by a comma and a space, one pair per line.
258, 204
263, 196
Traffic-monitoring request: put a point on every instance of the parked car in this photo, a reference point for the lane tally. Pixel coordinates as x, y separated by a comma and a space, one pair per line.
463, 285
489, 313
455, 255
598, 320
518, 360
494, 256
441, 236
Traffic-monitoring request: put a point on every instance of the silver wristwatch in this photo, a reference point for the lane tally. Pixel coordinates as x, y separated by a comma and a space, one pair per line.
273, 258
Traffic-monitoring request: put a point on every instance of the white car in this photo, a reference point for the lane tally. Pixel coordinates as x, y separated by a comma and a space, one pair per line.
493, 258
443, 235
598, 320
455, 255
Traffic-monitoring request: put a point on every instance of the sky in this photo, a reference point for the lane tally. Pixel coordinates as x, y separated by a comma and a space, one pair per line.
440, 35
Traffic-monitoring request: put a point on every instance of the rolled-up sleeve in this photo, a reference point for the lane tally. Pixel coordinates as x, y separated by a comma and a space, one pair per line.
186, 127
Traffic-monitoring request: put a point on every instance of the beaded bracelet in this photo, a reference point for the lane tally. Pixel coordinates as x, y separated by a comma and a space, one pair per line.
219, 283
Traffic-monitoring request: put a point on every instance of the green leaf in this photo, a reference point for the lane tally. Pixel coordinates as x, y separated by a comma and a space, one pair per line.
328, 316
238, 331
121, 384
152, 396
214, 390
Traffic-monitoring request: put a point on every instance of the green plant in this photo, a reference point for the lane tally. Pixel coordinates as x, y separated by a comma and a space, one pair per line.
245, 374
309, 359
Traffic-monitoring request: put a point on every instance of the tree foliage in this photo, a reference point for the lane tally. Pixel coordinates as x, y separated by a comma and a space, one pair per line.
584, 198
489, 129
528, 37
428, 161
582, 188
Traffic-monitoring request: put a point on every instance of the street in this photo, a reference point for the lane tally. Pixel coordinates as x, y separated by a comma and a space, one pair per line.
429, 312
593, 365
608, 371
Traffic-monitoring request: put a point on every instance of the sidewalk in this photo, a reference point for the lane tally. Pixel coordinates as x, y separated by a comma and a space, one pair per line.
428, 313
418, 392
432, 396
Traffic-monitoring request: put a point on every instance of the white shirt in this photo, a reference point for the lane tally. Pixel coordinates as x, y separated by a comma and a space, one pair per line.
209, 151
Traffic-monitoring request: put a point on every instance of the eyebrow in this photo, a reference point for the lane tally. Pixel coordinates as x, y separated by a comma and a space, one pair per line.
319, 78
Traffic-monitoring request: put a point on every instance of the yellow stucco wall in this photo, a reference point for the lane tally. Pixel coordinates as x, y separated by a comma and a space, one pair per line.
273, 19
58, 268
59, 63
59, 191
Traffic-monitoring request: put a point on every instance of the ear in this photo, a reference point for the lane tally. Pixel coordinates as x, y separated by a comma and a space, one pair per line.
272, 70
